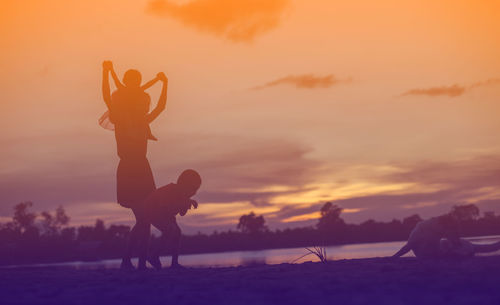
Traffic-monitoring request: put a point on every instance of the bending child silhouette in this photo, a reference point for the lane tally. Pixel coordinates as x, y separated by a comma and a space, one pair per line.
129, 113
161, 208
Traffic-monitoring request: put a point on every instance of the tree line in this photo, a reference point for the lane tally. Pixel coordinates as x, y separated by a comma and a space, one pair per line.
47, 237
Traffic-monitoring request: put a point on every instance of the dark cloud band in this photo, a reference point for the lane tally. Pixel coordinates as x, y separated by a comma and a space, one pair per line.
237, 21
450, 91
305, 81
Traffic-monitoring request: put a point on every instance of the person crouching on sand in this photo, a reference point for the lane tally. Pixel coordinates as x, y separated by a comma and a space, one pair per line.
465, 248
438, 237
161, 208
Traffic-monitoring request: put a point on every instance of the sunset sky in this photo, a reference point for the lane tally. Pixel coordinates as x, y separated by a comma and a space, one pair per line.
386, 108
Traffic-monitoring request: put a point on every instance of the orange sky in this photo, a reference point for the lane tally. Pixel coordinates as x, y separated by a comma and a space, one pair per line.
388, 108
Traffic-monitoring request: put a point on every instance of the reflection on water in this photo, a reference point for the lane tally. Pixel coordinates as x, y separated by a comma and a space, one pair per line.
274, 256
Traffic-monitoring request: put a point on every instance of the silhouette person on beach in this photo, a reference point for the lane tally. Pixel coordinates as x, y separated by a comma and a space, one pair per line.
161, 207
438, 237
465, 248
129, 113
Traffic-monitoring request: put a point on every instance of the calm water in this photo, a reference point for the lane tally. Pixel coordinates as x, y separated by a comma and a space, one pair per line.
275, 256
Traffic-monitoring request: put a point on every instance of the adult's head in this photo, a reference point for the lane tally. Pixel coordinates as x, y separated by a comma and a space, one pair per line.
189, 181
132, 78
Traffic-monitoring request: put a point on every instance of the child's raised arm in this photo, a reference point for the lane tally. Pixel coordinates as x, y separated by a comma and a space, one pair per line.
162, 102
150, 83
116, 80
106, 67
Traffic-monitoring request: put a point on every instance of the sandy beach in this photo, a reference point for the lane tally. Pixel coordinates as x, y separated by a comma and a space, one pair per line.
360, 281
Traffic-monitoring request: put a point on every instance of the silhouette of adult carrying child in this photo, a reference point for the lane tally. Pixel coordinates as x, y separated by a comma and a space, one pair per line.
129, 116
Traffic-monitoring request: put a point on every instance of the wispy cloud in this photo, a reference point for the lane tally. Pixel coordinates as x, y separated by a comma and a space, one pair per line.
439, 186
488, 82
275, 177
450, 91
237, 21
234, 170
433, 188
305, 81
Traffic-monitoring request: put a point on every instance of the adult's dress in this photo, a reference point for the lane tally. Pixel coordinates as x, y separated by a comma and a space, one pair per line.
134, 178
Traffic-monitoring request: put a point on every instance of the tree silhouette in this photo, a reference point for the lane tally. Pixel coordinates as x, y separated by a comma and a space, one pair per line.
23, 220
20, 241
252, 224
330, 217
411, 221
489, 215
86, 233
118, 231
466, 212
99, 228
53, 224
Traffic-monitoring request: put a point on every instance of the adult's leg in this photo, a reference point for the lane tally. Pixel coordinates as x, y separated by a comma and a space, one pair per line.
131, 245
125, 198
462, 249
143, 186
138, 239
142, 235
486, 248
143, 243
134, 183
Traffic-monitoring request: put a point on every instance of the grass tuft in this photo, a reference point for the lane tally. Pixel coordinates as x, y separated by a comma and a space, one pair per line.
319, 252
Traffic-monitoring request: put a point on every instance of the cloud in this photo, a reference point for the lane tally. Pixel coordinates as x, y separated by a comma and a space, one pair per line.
251, 170
450, 91
234, 169
304, 81
275, 177
237, 21
432, 188
488, 82
437, 186
466, 174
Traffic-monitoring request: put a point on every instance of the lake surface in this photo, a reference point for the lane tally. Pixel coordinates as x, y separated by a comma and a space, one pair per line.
272, 256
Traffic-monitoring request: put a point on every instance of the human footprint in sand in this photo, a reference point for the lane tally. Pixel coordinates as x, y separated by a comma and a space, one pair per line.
438, 237
160, 209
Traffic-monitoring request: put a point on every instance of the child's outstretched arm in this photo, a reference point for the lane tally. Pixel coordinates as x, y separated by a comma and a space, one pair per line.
187, 206
106, 67
116, 80
162, 102
150, 83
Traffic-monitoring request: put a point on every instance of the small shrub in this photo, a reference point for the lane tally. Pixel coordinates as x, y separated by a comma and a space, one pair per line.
319, 252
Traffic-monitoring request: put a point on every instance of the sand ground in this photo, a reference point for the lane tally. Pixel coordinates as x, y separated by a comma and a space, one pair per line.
364, 281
